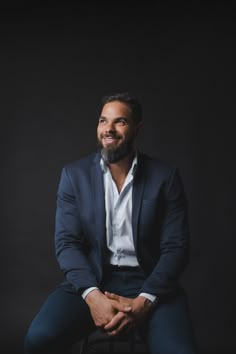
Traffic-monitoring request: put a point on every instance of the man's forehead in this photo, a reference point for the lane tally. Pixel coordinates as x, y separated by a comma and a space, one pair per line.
116, 108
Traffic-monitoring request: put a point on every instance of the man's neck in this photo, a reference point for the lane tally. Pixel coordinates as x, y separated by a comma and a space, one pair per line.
120, 169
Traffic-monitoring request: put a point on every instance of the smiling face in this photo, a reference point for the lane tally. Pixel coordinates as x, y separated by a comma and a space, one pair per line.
116, 131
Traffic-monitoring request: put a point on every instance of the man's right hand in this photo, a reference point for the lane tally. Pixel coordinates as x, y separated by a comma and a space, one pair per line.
102, 309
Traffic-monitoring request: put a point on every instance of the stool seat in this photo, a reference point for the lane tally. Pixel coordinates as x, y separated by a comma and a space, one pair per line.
100, 342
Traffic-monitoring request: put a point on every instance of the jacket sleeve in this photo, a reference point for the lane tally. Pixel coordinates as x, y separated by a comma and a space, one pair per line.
70, 245
174, 240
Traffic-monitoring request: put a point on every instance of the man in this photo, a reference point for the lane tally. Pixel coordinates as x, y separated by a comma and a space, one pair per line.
121, 240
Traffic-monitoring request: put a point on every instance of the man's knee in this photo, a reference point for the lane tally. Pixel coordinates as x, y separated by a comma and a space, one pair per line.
37, 341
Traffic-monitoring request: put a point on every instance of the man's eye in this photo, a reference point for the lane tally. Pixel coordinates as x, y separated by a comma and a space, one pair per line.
121, 122
101, 121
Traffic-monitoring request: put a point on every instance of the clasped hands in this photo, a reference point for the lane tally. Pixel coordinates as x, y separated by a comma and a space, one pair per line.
117, 314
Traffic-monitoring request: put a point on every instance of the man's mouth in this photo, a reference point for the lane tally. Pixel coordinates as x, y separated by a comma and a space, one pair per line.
109, 139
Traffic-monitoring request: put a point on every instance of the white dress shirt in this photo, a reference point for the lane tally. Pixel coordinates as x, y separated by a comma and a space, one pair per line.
119, 234
119, 218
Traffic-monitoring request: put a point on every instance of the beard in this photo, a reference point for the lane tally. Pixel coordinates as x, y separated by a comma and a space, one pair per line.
113, 154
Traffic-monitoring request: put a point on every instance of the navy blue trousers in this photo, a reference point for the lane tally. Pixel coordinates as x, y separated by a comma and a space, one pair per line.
65, 319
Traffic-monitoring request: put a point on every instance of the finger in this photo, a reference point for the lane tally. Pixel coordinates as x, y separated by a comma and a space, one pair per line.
120, 307
115, 322
123, 327
112, 296
123, 300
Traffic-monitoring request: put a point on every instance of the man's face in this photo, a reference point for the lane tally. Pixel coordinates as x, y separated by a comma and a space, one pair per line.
116, 131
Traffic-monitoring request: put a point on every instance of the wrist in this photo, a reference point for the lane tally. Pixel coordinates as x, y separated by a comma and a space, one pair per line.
144, 301
93, 294
87, 291
152, 298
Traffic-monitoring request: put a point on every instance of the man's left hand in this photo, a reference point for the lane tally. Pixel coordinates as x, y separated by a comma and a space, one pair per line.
125, 322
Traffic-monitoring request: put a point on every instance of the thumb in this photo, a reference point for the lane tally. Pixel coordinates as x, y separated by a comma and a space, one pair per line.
112, 296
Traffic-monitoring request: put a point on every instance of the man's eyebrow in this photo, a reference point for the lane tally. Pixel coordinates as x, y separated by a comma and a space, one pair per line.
117, 118
123, 118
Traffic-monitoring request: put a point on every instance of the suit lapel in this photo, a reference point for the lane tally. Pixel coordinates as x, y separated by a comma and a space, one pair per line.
138, 186
98, 202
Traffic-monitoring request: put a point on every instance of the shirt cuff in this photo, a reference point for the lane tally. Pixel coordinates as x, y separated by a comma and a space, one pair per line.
87, 291
152, 298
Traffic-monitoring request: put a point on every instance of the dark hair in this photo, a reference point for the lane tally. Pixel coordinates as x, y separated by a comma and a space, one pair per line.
128, 99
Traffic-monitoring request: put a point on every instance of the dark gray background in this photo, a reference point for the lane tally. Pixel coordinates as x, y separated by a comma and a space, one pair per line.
57, 61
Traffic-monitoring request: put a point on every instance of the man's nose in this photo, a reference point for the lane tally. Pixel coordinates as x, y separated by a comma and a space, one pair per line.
110, 127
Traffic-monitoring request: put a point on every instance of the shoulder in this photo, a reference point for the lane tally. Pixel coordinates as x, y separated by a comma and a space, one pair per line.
155, 165
159, 172
83, 163
79, 172
80, 169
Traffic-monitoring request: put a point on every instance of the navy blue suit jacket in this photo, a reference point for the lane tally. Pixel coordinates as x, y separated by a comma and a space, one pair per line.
159, 222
